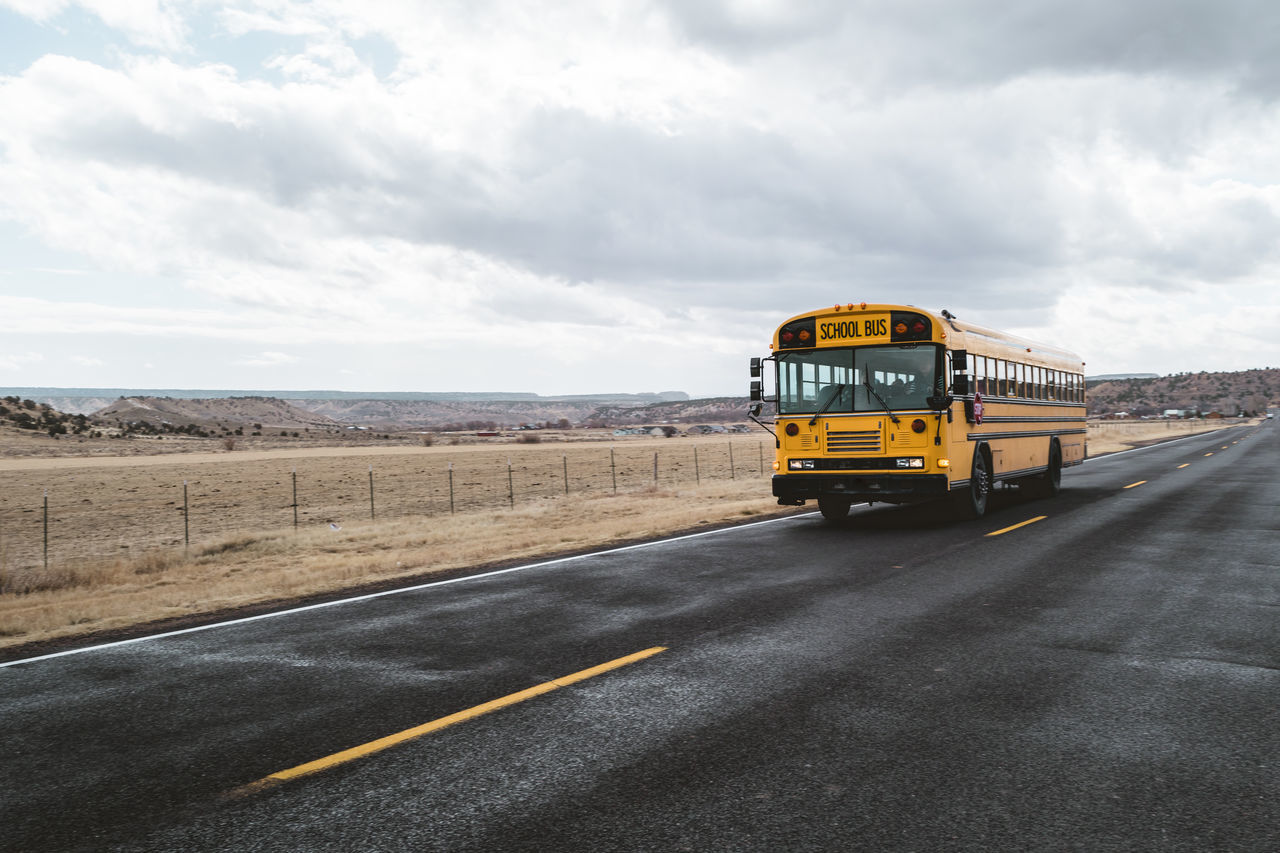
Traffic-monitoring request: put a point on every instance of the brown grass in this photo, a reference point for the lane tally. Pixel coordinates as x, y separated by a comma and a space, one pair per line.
1113, 436
103, 508
269, 565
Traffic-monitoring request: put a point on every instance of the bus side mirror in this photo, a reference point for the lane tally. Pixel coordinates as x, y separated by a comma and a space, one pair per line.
938, 403
755, 368
959, 359
755, 409
757, 391
960, 385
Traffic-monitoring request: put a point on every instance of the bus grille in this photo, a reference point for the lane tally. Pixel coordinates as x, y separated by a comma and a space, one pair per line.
861, 441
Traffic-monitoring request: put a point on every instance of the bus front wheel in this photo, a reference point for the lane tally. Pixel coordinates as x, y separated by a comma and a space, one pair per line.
833, 507
972, 501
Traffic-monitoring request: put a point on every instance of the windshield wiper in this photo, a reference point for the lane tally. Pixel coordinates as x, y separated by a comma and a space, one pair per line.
892, 416
838, 389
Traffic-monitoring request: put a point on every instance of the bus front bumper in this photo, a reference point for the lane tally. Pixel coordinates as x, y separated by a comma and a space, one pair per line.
795, 489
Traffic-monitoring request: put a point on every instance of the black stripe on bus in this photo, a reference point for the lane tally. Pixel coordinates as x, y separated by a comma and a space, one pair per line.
1029, 433
992, 400
1031, 419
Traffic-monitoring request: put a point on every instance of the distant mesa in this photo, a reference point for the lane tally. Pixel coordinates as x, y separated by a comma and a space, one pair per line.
1226, 393
1135, 393
1110, 377
171, 409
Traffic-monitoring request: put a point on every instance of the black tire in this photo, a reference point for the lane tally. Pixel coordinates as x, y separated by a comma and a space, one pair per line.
1051, 481
972, 502
834, 508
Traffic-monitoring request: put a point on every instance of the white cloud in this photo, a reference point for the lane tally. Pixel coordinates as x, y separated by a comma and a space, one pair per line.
267, 359
15, 362
570, 181
148, 23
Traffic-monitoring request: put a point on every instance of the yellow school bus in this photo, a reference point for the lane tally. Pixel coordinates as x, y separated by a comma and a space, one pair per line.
891, 403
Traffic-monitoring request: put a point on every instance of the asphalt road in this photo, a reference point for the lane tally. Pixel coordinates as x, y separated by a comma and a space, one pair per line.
1104, 678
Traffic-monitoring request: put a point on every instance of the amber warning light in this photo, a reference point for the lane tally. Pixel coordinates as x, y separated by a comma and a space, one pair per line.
797, 334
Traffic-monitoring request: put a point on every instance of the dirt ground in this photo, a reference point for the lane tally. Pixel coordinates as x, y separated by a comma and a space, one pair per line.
1112, 436
101, 506
111, 506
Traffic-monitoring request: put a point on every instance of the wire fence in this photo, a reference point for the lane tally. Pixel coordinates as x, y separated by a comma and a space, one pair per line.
75, 514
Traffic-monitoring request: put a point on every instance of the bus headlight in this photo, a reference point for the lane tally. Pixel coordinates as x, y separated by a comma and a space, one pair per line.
910, 461
800, 464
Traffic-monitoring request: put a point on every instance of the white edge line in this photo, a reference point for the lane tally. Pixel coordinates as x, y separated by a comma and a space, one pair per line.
396, 591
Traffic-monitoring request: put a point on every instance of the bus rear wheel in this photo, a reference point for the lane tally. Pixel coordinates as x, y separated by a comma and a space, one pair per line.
833, 507
1049, 483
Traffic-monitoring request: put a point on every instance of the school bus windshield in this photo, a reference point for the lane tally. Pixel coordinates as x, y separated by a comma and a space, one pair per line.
834, 380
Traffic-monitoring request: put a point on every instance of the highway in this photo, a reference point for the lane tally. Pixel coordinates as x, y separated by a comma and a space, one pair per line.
1097, 671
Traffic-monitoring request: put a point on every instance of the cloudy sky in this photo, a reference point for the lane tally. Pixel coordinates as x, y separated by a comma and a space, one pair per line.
568, 197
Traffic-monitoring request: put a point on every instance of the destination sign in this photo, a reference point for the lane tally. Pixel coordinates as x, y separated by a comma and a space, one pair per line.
858, 328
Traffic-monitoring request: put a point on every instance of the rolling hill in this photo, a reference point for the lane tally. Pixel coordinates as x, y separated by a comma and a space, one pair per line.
1246, 390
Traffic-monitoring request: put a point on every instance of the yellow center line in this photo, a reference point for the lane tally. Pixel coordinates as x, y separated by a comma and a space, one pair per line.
1019, 524
1184, 465
1210, 453
1139, 483
436, 725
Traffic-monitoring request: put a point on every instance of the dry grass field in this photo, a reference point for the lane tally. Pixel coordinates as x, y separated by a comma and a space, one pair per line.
104, 507
121, 550
280, 565
1113, 436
